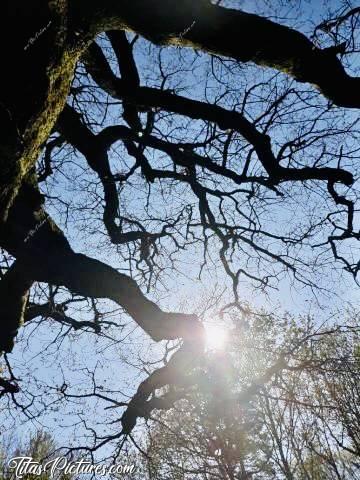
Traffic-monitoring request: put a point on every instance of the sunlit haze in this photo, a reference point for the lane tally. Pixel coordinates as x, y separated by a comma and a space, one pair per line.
216, 337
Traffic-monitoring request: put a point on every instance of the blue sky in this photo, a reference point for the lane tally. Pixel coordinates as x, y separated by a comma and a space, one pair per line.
180, 291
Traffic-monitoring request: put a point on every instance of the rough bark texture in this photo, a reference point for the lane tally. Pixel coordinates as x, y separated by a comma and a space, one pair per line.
34, 85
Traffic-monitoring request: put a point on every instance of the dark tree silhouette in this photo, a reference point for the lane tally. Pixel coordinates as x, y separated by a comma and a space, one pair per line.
54, 78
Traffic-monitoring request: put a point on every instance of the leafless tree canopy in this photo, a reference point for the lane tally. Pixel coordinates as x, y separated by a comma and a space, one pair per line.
146, 141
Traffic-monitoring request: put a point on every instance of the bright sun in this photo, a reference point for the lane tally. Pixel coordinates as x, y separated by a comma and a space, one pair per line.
216, 337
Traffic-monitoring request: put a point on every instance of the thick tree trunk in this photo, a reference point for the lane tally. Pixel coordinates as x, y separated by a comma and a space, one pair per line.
38, 64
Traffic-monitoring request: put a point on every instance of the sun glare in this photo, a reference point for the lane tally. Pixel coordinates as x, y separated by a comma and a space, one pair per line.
216, 337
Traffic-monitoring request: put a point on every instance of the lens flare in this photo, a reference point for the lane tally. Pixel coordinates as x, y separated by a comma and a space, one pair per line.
216, 337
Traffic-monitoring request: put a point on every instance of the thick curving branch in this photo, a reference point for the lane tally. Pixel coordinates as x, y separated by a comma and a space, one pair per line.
129, 74
57, 313
46, 256
277, 173
175, 374
98, 67
232, 33
95, 150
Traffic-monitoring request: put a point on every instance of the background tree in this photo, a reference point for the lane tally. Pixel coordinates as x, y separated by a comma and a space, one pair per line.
294, 425
40, 447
